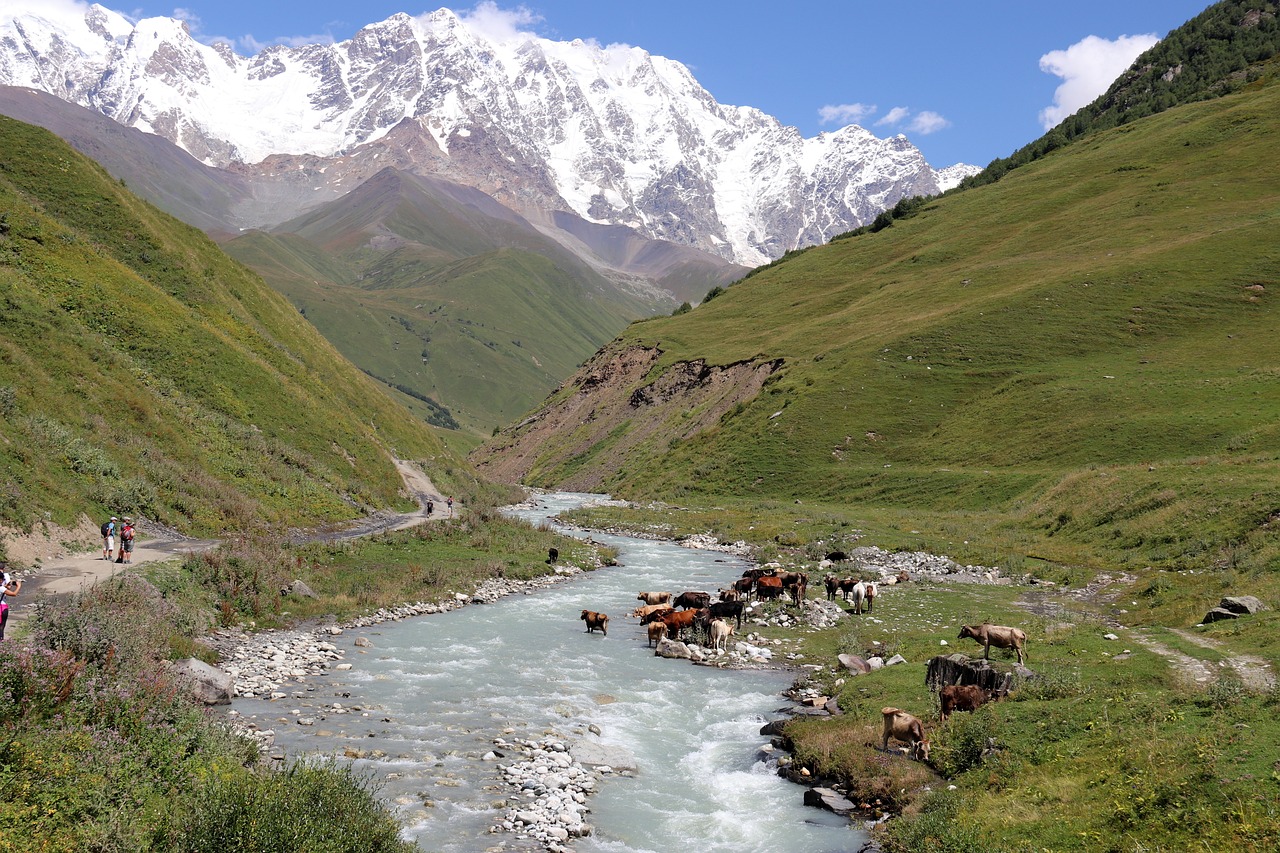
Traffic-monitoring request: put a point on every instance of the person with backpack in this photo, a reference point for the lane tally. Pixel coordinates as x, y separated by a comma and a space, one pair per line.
9, 586
109, 538
126, 540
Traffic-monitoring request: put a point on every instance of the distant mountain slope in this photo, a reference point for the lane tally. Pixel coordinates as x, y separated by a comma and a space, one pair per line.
1086, 347
444, 294
143, 371
614, 135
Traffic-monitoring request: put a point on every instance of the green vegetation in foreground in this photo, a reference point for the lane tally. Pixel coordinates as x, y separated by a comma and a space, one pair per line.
1075, 363
143, 371
100, 751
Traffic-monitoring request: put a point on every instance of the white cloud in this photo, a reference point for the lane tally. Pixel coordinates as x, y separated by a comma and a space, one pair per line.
894, 117
1087, 68
53, 10
845, 113
500, 25
927, 122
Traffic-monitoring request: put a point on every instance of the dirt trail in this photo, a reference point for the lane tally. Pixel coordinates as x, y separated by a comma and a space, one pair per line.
1096, 602
72, 574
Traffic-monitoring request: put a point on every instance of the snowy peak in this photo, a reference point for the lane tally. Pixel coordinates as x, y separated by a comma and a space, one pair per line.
614, 135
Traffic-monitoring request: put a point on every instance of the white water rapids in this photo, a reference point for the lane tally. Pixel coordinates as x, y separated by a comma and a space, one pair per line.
435, 691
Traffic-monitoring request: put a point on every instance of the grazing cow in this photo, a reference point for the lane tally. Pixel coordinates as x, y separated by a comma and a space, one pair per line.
657, 632
730, 595
596, 620
553, 554
652, 612
692, 600
900, 725
798, 590
871, 593
1000, 636
832, 584
721, 631
725, 609
769, 588
837, 557
859, 595
645, 609
677, 621
961, 697
654, 597
846, 586
743, 585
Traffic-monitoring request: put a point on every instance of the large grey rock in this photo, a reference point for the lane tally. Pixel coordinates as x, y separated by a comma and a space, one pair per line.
672, 649
592, 754
854, 664
826, 798
1242, 604
207, 684
1218, 614
300, 588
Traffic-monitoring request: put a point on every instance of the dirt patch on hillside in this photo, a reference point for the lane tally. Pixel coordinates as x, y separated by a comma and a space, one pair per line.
615, 406
48, 541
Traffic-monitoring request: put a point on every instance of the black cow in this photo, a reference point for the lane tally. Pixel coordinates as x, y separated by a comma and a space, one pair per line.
725, 609
692, 600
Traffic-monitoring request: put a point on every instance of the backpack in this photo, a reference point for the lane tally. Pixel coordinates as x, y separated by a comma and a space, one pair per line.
127, 533
106, 528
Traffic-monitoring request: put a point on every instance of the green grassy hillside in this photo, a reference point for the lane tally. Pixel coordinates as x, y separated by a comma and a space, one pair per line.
143, 371
1084, 352
454, 300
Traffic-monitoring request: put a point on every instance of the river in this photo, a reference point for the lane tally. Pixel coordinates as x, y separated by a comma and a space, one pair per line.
424, 703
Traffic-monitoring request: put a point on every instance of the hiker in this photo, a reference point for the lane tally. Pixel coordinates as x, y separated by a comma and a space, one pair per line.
9, 586
431, 507
450, 501
126, 540
109, 538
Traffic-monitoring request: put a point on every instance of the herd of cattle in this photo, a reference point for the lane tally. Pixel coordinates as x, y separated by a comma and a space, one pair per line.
695, 613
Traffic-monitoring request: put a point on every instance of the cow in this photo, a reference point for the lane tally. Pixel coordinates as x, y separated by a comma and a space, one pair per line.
961, 697
871, 593
797, 589
724, 609
859, 595
744, 585
553, 554
1000, 636
645, 609
837, 557
846, 586
677, 621
721, 631
768, 588
692, 600
900, 725
832, 584
657, 632
652, 612
654, 597
596, 620
730, 594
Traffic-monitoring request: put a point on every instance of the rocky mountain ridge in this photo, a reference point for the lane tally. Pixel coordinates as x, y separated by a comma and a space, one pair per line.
614, 135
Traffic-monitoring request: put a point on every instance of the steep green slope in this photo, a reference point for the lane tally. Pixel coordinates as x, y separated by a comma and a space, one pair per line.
443, 294
143, 371
1086, 349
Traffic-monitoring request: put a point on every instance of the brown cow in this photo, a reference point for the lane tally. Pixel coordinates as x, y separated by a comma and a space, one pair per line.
692, 600
768, 588
657, 632
744, 585
596, 620
730, 594
651, 612
871, 593
677, 621
833, 586
1000, 636
654, 597
900, 725
961, 697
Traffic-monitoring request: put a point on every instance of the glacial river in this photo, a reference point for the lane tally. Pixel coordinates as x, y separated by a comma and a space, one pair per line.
434, 692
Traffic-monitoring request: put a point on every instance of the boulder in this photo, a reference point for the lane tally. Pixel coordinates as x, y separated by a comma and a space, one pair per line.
668, 648
1242, 604
300, 588
826, 798
207, 684
945, 670
1218, 614
592, 754
854, 664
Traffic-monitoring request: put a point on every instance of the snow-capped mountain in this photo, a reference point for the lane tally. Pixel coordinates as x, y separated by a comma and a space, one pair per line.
615, 135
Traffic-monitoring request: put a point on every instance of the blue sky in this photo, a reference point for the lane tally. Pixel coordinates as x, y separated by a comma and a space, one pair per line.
965, 81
